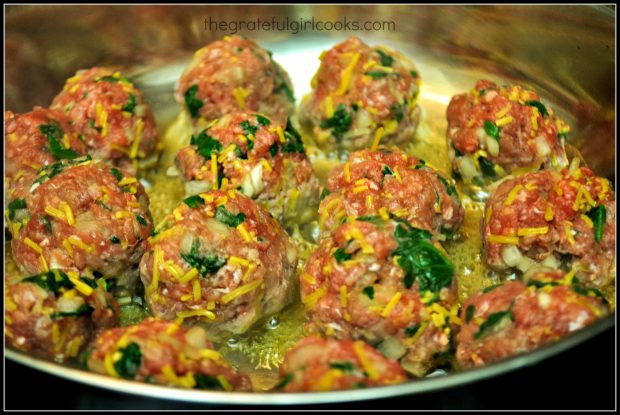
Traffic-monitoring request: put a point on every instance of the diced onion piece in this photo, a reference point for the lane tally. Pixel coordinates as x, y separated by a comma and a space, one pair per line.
542, 147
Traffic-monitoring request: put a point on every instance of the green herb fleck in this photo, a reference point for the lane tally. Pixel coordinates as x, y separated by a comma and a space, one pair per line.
51, 281
194, 201
116, 173
598, 216
205, 143
412, 330
285, 381
386, 60
47, 224
324, 193
376, 220
492, 130
115, 240
449, 187
273, 149
131, 105
492, 320
103, 205
82, 310
14, 205
223, 215
541, 108
341, 255
141, 220
491, 288
248, 128
54, 137
192, 102
264, 121
376, 74
387, 171
369, 291
469, 313
131, 358
293, 142
205, 264
342, 366
206, 382
339, 122
487, 167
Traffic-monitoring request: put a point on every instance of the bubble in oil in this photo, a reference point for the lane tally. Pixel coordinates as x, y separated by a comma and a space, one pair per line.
273, 323
232, 342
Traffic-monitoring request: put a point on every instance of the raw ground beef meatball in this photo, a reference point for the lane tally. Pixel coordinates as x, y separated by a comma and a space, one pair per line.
362, 94
494, 131
562, 219
317, 365
387, 283
389, 182
517, 317
111, 115
162, 352
264, 159
34, 140
81, 215
231, 75
56, 314
220, 260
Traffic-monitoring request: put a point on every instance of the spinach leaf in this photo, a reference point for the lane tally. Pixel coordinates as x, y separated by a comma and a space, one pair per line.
421, 260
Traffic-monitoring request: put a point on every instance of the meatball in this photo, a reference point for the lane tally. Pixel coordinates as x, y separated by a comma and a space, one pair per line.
111, 115
54, 314
361, 95
37, 139
317, 364
262, 158
235, 74
494, 131
81, 215
164, 353
221, 260
388, 181
517, 317
562, 219
384, 282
